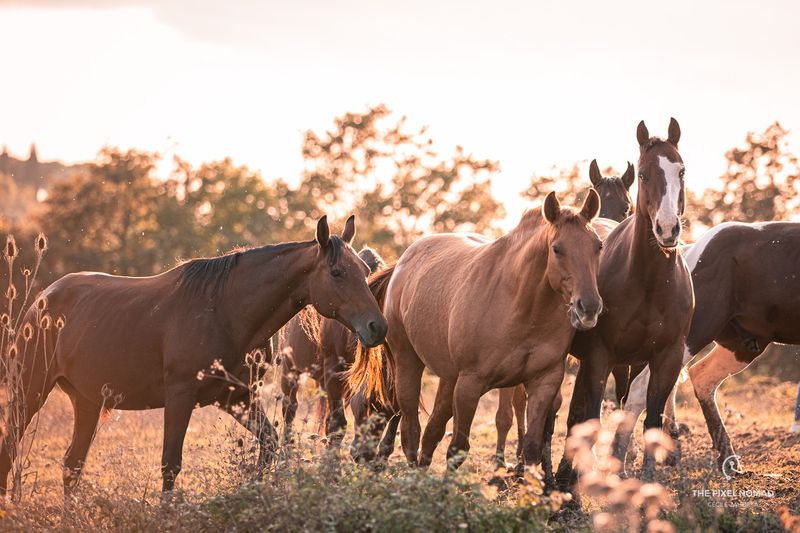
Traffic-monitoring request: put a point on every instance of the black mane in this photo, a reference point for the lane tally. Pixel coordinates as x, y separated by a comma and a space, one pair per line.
651, 142
209, 275
373, 260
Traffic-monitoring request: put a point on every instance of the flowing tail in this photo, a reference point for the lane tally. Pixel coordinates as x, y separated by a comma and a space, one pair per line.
373, 369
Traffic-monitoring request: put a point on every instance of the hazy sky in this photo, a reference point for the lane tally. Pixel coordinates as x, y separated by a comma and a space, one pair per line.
529, 84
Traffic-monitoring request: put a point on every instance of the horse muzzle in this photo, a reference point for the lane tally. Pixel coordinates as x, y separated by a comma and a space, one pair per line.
584, 315
373, 332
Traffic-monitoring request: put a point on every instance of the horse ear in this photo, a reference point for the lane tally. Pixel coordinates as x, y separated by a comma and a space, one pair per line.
642, 135
551, 209
349, 232
629, 176
674, 132
323, 232
594, 173
591, 205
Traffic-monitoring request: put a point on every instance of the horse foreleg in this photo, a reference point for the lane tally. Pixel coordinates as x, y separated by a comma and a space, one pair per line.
565, 476
434, 430
547, 451
541, 396
707, 375
86, 415
180, 401
468, 391
665, 368
503, 419
625, 448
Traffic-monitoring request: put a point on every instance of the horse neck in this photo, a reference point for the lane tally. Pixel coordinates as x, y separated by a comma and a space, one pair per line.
520, 260
645, 256
268, 287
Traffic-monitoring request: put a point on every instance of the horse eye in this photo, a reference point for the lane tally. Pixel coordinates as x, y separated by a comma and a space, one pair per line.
601, 246
336, 273
557, 250
682, 172
642, 176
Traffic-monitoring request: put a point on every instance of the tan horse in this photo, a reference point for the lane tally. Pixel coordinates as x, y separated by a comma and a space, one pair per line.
324, 349
615, 206
152, 341
488, 314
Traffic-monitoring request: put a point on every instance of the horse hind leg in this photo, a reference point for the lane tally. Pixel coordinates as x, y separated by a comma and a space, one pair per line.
707, 375
27, 393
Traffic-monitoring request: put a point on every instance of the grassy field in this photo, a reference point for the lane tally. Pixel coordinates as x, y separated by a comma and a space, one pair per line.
312, 491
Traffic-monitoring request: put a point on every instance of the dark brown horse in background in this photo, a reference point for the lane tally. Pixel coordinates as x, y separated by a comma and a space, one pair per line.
615, 206
647, 289
325, 350
487, 314
152, 341
747, 295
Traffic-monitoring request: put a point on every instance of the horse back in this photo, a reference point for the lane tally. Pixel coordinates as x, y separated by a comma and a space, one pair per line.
748, 273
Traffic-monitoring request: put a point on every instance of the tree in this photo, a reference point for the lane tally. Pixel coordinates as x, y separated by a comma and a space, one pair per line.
760, 183
394, 179
106, 219
225, 205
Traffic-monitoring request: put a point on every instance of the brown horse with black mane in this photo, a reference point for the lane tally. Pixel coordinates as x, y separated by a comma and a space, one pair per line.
615, 206
647, 290
325, 350
487, 314
150, 340
747, 295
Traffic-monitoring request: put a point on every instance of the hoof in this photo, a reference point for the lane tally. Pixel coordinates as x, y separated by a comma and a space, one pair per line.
499, 461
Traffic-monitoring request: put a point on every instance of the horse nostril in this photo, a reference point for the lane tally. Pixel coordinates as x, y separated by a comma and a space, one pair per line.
372, 326
579, 305
658, 230
676, 230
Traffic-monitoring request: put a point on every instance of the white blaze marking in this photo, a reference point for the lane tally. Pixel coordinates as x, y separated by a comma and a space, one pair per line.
668, 210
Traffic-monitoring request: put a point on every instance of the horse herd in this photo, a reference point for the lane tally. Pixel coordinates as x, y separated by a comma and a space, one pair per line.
610, 284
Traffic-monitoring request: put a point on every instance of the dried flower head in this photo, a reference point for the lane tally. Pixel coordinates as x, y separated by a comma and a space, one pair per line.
45, 322
41, 243
26, 272
12, 351
60, 322
41, 302
658, 443
5, 320
11, 292
27, 331
10, 251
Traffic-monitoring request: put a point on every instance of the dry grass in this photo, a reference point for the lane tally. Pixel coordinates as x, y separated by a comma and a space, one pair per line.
121, 482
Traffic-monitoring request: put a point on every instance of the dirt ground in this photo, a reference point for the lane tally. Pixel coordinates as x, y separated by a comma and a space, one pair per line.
125, 458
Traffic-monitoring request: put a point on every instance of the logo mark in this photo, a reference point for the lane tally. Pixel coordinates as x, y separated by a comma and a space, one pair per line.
730, 467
